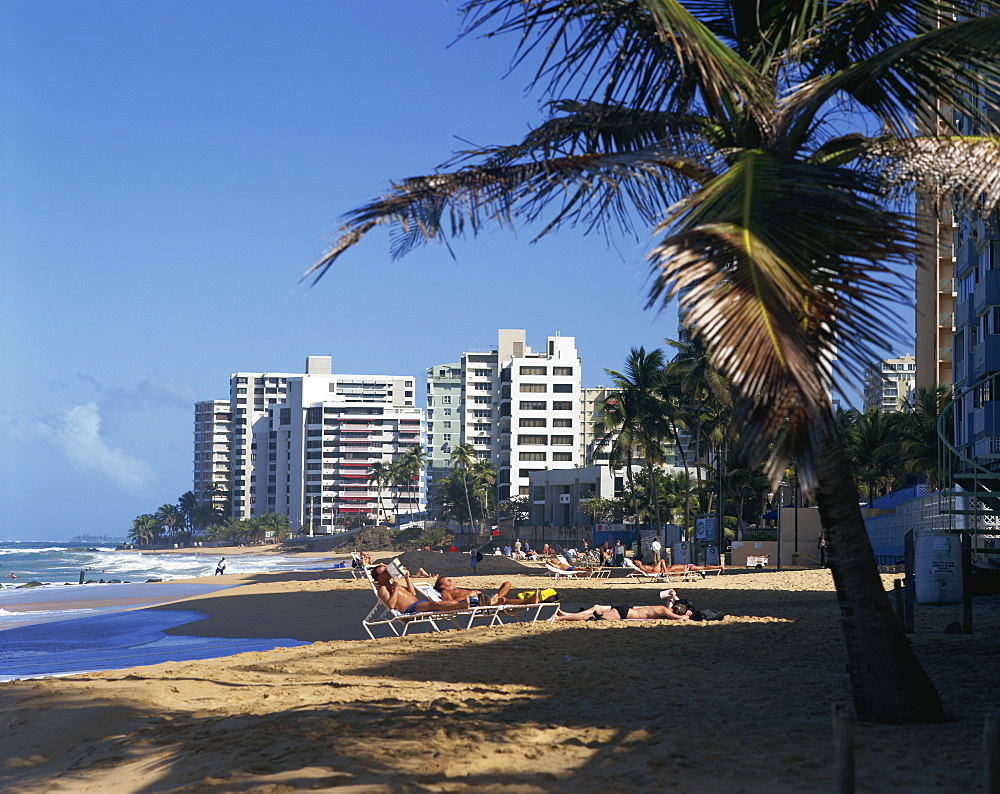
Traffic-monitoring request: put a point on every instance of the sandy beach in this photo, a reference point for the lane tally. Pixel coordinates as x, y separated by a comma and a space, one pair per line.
739, 705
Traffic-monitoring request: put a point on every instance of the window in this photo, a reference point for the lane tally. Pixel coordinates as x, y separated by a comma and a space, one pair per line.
527, 472
562, 440
481, 400
446, 400
534, 370
561, 406
446, 424
482, 414
536, 388
564, 388
446, 412
481, 373
531, 456
525, 439
566, 423
562, 371
562, 456
483, 386
531, 422
446, 437
528, 405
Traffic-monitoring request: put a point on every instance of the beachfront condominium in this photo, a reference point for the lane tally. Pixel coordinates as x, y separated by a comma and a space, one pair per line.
304, 444
516, 407
213, 440
889, 384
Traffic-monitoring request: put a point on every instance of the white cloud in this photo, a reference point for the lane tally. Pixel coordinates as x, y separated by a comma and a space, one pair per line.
76, 433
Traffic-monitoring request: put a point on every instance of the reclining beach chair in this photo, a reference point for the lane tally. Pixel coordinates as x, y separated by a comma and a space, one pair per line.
399, 624
600, 573
670, 576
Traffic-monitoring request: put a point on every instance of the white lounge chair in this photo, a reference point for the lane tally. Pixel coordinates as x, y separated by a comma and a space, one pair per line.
399, 623
557, 573
669, 576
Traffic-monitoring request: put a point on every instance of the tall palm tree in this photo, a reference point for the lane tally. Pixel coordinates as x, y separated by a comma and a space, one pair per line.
411, 465
379, 475
874, 447
725, 127
463, 458
186, 504
485, 477
638, 389
169, 516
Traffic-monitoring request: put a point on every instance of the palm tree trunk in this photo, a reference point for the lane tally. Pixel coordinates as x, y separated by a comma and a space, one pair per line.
656, 499
635, 500
687, 478
887, 681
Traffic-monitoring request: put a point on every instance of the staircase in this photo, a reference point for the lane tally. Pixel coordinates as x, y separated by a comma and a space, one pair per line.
969, 479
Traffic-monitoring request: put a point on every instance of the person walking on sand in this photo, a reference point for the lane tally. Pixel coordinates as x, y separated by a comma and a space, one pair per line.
221, 567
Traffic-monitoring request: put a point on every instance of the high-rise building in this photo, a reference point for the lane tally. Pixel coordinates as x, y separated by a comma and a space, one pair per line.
303, 445
516, 407
890, 383
213, 439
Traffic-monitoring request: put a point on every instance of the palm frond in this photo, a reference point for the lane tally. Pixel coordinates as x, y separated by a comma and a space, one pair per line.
774, 288
894, 74
594, 190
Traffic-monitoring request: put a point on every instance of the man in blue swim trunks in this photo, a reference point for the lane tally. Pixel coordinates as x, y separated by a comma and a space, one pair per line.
402, 596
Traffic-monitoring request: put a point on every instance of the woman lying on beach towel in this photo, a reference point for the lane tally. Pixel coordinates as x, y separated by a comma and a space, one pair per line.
673, 608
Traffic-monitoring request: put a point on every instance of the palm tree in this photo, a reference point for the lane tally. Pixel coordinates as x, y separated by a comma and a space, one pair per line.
463, 457
169, 516
725, 127
410, 466
918, 431
485, 477
874, 448
144, 530
638, 390
379, 475
186, 504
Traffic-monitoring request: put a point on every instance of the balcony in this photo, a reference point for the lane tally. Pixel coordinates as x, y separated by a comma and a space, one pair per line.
985, 355
947, 320
987, 292
947, 285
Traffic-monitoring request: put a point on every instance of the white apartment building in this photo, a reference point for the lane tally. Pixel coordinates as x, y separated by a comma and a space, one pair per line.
444, 421
890, 383
518, 408
539, 409
213, 438
305, 445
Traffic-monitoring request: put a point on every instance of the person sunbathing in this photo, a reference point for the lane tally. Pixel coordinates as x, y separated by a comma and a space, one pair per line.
402, 596
445, 585
562, 566
678, 567
670, 609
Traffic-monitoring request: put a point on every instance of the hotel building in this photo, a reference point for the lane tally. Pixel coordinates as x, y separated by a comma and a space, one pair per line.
518, 408
305, 445
890, 383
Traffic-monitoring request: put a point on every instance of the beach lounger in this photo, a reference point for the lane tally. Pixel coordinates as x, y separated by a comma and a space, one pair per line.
399, 624
670, 576
557, 573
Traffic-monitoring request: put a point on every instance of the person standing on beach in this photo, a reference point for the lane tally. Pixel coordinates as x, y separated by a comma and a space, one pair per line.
474, 556
221, 567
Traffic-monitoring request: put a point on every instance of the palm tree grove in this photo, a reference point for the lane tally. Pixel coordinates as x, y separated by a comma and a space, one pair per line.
770, 154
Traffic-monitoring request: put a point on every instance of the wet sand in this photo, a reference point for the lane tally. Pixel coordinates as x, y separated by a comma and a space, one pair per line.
739, 705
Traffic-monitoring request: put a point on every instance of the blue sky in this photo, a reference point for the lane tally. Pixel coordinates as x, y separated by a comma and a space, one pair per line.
170, 169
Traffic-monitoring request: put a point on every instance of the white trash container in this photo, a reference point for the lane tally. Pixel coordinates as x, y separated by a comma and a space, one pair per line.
937, 571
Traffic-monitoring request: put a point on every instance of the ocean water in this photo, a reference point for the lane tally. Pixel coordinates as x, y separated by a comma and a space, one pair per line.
64, 627
60, 563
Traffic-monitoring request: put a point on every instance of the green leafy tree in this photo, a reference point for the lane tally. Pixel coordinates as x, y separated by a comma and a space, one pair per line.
725, 128
463, 458
144, 530
169, 516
